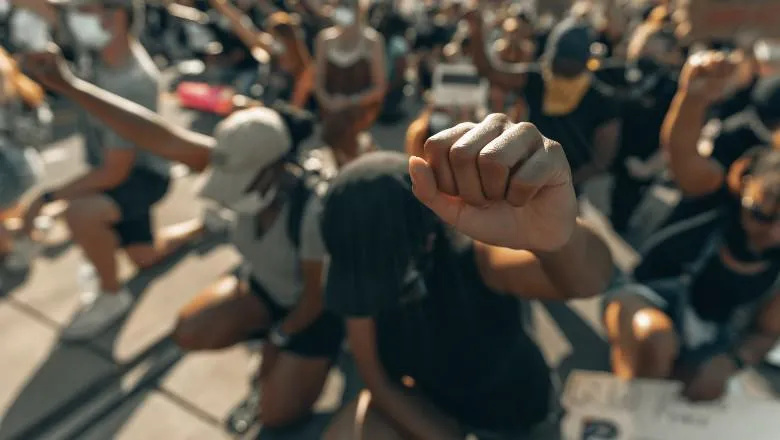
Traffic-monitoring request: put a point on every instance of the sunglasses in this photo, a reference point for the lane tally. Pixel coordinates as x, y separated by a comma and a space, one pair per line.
757, 214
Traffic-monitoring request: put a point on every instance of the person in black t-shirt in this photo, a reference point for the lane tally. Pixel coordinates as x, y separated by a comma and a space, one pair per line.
699, 158
651, 78
432, 317
563, 99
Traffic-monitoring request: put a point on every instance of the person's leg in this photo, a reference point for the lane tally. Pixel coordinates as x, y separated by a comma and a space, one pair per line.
294, 379
360, 420
643, 339
223, 314
167, 241
91, 221
291, 388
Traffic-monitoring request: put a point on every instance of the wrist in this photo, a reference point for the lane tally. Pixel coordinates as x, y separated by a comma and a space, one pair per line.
48, 197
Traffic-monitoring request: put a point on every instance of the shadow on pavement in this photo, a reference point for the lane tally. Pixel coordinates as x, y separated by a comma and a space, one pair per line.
10, 281
74, 375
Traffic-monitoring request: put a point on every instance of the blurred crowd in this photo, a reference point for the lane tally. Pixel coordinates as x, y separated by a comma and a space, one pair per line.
418, 261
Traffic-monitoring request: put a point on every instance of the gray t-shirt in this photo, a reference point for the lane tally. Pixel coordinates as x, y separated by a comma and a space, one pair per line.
139, 81
272, 259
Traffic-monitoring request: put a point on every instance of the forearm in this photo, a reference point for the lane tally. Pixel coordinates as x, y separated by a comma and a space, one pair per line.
371, 96
583, 267
141, 126
681, 130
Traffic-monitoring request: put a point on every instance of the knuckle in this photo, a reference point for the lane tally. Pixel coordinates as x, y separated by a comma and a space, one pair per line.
529, 130
461, 154
497, 119
490, 158
436, 146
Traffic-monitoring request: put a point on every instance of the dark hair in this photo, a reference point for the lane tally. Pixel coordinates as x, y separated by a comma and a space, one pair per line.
299, 123
764, 162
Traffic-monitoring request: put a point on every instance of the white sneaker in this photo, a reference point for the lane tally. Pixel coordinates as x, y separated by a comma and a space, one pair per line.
98, 312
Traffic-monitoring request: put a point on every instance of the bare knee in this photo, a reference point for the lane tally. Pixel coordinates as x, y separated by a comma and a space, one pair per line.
188, 335
360, 421
657, 345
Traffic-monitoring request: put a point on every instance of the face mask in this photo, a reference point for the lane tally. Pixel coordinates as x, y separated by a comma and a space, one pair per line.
89, 30
254, 202
563, 95
344, 16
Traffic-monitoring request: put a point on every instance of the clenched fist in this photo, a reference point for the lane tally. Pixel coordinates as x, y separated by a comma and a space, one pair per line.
498, 182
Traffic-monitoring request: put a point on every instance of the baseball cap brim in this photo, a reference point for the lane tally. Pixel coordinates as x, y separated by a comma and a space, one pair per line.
225, 187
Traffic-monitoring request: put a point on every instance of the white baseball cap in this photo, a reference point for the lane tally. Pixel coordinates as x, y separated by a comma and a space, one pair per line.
248, 141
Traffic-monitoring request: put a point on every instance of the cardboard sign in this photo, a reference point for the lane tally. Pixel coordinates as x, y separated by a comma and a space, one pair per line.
600, 406
727, 18
458, 85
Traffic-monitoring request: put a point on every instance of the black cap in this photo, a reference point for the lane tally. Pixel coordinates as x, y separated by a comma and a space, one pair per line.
766, 100
570, 40
374, 228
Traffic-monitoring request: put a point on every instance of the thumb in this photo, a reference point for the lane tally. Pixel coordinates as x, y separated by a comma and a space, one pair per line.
425, 189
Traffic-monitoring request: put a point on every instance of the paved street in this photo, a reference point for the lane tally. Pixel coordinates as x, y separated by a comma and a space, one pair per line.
133, 384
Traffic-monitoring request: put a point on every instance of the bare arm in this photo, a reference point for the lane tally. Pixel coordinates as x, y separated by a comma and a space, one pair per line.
695, 174
499, 73
416, 419
252, 37
304, 87
143, 127
583, 268
758, 343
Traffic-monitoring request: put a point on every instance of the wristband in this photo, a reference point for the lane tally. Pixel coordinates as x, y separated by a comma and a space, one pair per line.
48, 197
279, 337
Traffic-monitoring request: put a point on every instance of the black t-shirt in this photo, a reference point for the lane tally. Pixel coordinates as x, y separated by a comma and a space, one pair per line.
463, 344
574, 131
643, 112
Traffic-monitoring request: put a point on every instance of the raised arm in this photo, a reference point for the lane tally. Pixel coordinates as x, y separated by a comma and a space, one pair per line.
243, 27
131, 121
703, 79
505, 75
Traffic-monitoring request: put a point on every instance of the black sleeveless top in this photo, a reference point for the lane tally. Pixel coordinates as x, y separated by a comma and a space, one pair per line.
465, 345
716, 291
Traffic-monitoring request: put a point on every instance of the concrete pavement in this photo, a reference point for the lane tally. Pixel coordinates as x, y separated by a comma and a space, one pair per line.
132, 383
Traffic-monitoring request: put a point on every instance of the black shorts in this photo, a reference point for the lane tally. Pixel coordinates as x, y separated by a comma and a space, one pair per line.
135, 198
699, 340
322, 339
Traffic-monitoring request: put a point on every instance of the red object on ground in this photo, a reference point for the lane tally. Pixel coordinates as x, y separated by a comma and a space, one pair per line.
205, 97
